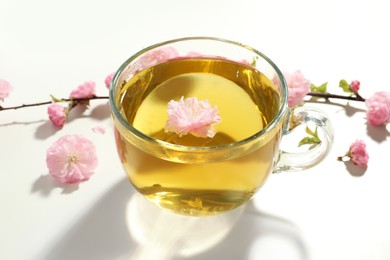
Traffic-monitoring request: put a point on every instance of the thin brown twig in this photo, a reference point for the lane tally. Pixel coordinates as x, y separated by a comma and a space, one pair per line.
355, 97
75, 100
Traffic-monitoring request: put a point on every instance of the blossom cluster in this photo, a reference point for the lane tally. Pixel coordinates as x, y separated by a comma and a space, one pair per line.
72, 158
377, 113
58, 114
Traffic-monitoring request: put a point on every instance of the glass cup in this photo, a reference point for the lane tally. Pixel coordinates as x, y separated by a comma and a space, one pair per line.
206, 176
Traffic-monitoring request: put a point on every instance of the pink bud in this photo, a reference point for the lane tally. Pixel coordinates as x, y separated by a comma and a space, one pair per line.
57, 114
354, 86
358, 153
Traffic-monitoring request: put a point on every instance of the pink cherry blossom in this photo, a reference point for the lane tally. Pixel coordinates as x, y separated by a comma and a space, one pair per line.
71, 159
378, 108
192, 116
358, 153
154, 57
99, 130
57, 114
298, 87
5, 89
85, 90
354, 86
160, 55
108, 79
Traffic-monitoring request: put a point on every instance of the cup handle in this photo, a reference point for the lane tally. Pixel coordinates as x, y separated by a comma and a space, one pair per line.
298, 159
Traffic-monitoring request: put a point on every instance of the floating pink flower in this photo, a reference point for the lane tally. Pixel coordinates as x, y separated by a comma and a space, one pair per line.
71, 159
85, 90
354, 86
57, 114
5, 89
358, 153
378, 108
108, 79
192, 116
298, 87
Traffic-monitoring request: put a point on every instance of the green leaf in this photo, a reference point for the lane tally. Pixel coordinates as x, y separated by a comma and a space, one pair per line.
253, 64
310, 132
345, 86
308, 140
312, 139
55, 99
319, 89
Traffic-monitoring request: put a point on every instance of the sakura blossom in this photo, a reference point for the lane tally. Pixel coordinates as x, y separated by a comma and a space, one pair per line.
5, 89
71, 159
57, 114
378, 108
298, 87
108, 79
154, 57
192, 116
358, 153
85, 90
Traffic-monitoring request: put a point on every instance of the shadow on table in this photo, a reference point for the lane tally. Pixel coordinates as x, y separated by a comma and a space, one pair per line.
354, 170
378, 133
45, 184
123, 225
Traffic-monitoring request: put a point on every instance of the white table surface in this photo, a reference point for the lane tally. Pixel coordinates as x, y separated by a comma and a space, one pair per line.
332, 211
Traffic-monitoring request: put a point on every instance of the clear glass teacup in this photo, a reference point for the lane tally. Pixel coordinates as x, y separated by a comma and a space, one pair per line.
206, 175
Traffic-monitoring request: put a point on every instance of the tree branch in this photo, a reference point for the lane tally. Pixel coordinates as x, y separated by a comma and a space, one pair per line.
356, 96
75, 100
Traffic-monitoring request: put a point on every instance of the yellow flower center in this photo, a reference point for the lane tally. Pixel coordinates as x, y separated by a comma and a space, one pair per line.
71, 159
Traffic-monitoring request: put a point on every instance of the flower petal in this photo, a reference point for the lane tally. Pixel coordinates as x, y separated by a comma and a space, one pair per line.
71, 159
191, 116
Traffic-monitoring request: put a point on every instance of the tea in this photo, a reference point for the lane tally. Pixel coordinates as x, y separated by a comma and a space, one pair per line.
200, 185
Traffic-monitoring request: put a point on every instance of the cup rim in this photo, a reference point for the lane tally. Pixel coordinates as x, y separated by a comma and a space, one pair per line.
274, 122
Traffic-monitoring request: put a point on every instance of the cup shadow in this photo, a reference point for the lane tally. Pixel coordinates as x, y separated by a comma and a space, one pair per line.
123, 225
101, 233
